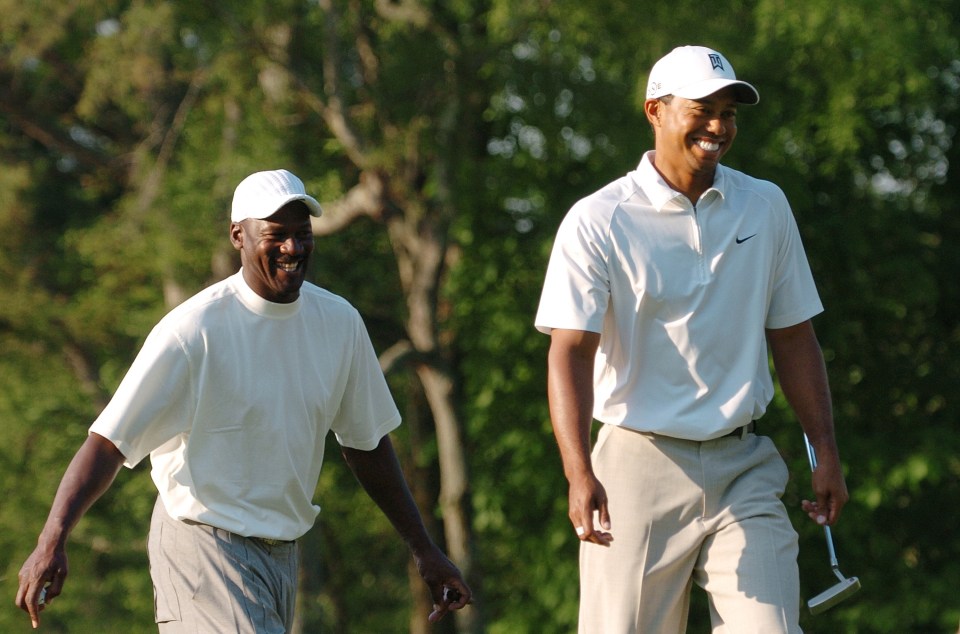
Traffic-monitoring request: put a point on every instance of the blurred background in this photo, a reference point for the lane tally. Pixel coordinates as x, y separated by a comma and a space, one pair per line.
446, 140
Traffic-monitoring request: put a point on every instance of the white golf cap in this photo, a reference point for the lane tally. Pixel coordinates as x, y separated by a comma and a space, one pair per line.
693, 72
261, 194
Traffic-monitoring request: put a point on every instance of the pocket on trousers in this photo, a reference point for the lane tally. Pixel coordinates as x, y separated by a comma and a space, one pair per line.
781, 472
166, 605
602, 435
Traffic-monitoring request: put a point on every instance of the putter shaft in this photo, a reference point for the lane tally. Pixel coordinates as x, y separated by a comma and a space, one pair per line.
847, 586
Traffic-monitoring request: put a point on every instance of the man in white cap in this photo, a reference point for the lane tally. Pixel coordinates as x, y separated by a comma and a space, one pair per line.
232, 397
662, 294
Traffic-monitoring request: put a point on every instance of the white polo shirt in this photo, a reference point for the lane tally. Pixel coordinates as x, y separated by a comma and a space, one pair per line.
681, 295
232, 396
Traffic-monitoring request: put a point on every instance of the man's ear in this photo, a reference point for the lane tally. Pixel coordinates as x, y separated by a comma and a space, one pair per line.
236, 235
651, 108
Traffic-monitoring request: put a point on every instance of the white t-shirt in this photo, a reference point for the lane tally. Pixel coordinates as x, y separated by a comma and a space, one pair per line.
681, 296
232, 397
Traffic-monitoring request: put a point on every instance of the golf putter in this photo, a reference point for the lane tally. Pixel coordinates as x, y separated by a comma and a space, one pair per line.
847, 586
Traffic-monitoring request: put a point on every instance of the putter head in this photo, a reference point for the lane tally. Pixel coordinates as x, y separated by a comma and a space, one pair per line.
833, 595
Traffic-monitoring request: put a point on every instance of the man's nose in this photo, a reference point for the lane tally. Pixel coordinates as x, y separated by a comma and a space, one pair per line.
292, 246
717, 125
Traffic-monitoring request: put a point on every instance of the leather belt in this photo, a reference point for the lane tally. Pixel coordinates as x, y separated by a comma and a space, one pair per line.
749, 428
266, 541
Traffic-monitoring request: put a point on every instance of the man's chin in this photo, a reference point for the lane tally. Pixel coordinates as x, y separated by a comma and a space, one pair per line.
287, 286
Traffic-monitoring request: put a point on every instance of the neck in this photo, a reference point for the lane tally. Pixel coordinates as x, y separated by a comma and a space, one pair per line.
690, 183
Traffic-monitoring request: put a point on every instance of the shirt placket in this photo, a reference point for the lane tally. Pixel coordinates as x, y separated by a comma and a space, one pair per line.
698, 243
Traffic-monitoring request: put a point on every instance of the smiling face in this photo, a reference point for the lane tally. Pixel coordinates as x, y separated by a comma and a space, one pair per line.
275, 252
692, 135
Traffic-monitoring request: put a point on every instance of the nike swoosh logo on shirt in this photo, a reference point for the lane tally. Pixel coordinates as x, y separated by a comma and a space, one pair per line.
742, 240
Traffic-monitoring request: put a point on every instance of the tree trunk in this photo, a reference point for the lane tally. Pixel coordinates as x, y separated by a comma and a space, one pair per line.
419, 241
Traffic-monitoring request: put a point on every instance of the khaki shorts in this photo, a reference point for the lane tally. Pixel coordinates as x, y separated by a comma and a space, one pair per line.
685, 512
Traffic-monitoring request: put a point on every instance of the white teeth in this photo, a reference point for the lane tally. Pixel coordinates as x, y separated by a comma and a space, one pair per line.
709, 146
289, 267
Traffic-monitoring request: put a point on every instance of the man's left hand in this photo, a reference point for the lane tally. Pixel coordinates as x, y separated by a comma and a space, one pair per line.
447, 587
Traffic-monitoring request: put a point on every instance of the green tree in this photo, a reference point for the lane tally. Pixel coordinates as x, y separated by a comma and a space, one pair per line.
446, 141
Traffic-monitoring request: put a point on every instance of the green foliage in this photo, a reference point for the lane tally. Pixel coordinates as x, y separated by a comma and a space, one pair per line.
124, 127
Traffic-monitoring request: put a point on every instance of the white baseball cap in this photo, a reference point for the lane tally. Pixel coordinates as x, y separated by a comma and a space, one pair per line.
693, 72
261, 194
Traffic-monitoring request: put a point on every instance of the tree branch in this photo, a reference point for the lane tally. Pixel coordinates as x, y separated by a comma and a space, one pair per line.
366, 198
151, 185
410, 11
86, 377
53, 139
332, 110
396, 355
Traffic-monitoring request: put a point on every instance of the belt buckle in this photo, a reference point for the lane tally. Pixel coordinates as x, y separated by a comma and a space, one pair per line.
270, 542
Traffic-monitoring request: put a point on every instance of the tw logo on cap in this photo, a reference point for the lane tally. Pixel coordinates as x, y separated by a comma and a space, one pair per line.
716, 61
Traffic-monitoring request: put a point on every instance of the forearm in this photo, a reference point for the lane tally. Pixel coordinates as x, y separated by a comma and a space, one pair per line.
378, 472
570, 396
803, 378
570, 393
570, 414
91, 472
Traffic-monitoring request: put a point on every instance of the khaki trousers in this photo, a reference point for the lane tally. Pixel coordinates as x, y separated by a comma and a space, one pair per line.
210, 581
685, 512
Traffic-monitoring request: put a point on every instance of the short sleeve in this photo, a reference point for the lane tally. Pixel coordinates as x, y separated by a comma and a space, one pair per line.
367, 412
794, 298
576, 289
153, 401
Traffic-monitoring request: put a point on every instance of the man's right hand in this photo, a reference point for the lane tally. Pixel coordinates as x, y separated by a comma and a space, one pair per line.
588, 500
41, 580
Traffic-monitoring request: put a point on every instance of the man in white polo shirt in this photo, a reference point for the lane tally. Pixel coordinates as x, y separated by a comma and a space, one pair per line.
232, 397
664, 292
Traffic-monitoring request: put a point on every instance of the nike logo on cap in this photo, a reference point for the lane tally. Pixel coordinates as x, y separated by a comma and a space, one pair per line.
742, 240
